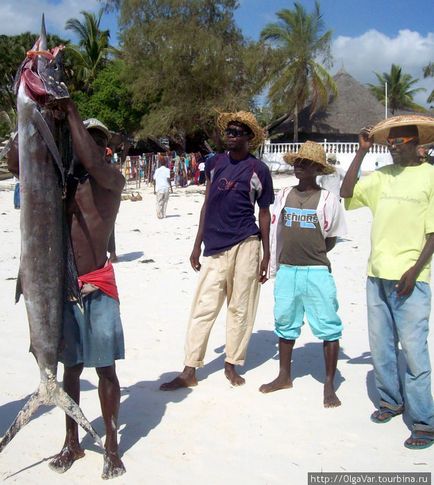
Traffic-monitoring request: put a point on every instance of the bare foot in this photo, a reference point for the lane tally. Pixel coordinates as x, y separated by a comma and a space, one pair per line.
281, 382
187, 378
234, 378
330, 398
113, 466
64, 460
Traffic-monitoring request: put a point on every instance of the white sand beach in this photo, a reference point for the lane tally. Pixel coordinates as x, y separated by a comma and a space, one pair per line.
213, 433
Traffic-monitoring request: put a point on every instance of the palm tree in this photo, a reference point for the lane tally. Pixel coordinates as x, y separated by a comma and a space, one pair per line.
400, 91
428, 71
302, 54
93, 48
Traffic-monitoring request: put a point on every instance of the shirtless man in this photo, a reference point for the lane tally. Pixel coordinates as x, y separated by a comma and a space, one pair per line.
93, 199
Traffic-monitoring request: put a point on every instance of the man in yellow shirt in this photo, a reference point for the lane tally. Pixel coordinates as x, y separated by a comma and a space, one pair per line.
401, 198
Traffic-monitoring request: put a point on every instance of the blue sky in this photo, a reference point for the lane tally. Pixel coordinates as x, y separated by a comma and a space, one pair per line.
346, 17
368, 35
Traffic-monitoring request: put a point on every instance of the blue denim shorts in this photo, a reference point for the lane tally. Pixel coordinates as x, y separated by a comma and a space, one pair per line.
310, 291
92, 335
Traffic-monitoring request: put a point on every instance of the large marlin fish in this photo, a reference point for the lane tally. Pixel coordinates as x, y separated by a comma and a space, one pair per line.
46, 274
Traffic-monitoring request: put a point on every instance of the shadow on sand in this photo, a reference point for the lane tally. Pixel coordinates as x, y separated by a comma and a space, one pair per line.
140, 412
371, 387
307, 360
9, 411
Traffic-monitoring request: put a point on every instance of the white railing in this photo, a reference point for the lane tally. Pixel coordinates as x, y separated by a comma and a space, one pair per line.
378, 155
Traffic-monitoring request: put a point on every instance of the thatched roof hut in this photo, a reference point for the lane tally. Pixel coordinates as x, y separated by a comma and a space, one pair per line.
353, 108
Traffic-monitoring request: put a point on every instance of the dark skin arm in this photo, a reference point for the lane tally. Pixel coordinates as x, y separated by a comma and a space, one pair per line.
88, 152
407, 282
195, 254
350, 178
264, 227
12, 157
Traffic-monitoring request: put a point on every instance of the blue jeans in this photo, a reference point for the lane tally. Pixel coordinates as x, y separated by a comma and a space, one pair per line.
392, 319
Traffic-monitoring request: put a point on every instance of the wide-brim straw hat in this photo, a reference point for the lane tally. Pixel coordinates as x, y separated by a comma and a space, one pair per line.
247, 119
311, 151
94, 124
425, 127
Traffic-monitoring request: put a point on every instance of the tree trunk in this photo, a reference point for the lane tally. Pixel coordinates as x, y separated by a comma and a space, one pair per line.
295, 123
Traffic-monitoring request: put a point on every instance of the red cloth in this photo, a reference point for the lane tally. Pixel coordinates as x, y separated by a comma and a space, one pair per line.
103, 278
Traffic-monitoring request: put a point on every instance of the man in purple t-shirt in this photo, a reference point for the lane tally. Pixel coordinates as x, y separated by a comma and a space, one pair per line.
232, 268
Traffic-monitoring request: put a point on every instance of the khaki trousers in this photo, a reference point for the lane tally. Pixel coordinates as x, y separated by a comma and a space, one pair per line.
232, 274
162, 199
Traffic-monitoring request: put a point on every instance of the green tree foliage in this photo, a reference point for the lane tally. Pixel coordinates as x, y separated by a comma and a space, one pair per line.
428, 71
111, 100
93, 49
301, 57
12, 53
186, 59
400, 90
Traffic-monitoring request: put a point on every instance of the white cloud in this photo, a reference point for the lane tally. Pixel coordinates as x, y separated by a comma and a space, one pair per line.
25, 15
374, 51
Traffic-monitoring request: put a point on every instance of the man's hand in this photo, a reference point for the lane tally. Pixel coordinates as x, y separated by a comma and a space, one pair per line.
407, 283
263, 269
63, 105
365, 142
194, 258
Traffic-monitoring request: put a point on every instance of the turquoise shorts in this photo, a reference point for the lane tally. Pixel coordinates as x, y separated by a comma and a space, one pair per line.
92, 335
310, 291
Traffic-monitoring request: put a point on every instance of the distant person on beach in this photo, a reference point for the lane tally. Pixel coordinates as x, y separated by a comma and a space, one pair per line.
305, 223
232, 268
401, 198
332, 181
17, 203
201, 168
162, 185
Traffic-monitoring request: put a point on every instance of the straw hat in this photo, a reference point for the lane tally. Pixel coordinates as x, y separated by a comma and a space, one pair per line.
310, 151
247, 119
425, 126
94, 124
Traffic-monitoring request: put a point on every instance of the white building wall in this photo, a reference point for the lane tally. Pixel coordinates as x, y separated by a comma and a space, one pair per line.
378, 155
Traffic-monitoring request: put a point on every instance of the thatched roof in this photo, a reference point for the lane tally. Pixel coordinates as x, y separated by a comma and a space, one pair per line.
353, 108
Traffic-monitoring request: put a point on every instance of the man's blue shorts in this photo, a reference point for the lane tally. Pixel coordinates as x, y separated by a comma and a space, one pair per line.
92, 335
309, 290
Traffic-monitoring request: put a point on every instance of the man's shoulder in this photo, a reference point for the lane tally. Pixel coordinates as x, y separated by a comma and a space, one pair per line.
211, 161
257, 162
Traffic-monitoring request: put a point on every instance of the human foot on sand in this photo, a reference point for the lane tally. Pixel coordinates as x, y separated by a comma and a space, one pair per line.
281, 382
113, 466
330, 398
187, 378
384, 415
419, 440
234, 378
65, 459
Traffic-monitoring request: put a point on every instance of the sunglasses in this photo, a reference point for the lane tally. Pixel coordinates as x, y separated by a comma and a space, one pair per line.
401, 140
235, 133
